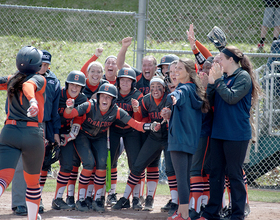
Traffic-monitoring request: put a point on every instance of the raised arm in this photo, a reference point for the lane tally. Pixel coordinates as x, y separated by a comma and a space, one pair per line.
126, 42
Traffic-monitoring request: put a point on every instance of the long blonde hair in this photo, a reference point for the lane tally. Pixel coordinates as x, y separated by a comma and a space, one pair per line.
190, 68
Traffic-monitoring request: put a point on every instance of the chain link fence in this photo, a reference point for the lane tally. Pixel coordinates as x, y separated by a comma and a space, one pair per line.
72, 35
241, 21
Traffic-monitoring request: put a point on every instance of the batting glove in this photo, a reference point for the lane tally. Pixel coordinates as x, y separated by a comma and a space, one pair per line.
33, 110
66, 138
70, 103
155, 126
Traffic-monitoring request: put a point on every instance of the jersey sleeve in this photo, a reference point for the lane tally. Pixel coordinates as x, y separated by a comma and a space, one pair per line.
85, 66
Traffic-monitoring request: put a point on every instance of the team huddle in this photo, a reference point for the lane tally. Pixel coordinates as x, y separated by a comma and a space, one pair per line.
195, 111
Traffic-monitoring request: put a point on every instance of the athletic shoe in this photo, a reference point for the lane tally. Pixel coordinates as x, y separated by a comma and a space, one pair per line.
98, 206
39, 217
176, 216
41, 207
173, 208
111, 199
70, 201
121, 204
247, 210
81, 206
89, 201
225, 212
166, 208
149, 201
141, 200
136, 204
202, 218
59, 204
103, 200
20, 210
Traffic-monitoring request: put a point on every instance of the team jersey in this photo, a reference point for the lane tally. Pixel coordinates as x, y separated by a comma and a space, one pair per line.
143, 85
17, 107
150, 109
66, 123
125, 103
95, 123
89, 90
111, 82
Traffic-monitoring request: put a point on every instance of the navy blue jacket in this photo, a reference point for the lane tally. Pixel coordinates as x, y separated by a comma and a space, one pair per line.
51, 116
231, 96
186, 119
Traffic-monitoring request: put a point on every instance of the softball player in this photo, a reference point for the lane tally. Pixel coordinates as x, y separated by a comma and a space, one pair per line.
26, 94
74, 84
98, 115
149, 154
126, 82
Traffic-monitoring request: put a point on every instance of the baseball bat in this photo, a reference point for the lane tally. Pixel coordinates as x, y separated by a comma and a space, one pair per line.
108, 167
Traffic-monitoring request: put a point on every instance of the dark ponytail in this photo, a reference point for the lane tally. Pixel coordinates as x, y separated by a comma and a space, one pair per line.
15, 84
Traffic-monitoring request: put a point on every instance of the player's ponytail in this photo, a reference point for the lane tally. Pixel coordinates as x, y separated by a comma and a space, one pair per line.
15, 84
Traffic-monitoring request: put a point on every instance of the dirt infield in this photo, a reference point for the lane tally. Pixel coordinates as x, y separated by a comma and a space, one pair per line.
259, 211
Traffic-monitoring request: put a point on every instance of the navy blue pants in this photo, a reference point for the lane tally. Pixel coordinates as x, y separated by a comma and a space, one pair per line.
226, 157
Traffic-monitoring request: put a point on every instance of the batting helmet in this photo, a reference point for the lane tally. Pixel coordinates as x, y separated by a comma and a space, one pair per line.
167, 59
76, 77
127, 73
108, 89
29, 60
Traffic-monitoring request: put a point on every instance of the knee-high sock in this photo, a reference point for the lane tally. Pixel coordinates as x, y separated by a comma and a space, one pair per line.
99, 182
228, 190
33, 194
61, 183
142, 183
246, 186
114, 177
152, 180
137, 189
206, 190
72, 181
196, 192
6, 177
43, 179
83, 183
90, 187
172, 183
131, 183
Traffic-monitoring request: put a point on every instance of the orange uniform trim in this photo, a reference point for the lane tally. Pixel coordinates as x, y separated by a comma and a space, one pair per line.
85, 66
28, 123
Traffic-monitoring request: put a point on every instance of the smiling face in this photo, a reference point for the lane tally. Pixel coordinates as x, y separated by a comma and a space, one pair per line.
148, 68
156, 89
105, 102
172, 74
94, 75
74, 89
111, 69
164, 68
125, 85
181, 73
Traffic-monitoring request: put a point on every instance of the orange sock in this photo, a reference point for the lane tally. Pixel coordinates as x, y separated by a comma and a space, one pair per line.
114, 178
172, 183
72, 181
228, 190
99, 182
83, 182
152, 180
246, 186
43, 179
61, 183
6, 177
196, 192
33, 194
131, 183
206, 190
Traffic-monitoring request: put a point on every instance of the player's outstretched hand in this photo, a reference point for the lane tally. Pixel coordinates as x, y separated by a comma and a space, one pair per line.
135, 104
165, 113
66, 138
33, 110
98, 52
126, 41
174, 100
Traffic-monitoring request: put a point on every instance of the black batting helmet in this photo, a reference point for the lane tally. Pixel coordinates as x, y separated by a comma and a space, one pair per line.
29, 60
167, 59
127, 73
76, 77
108, 89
